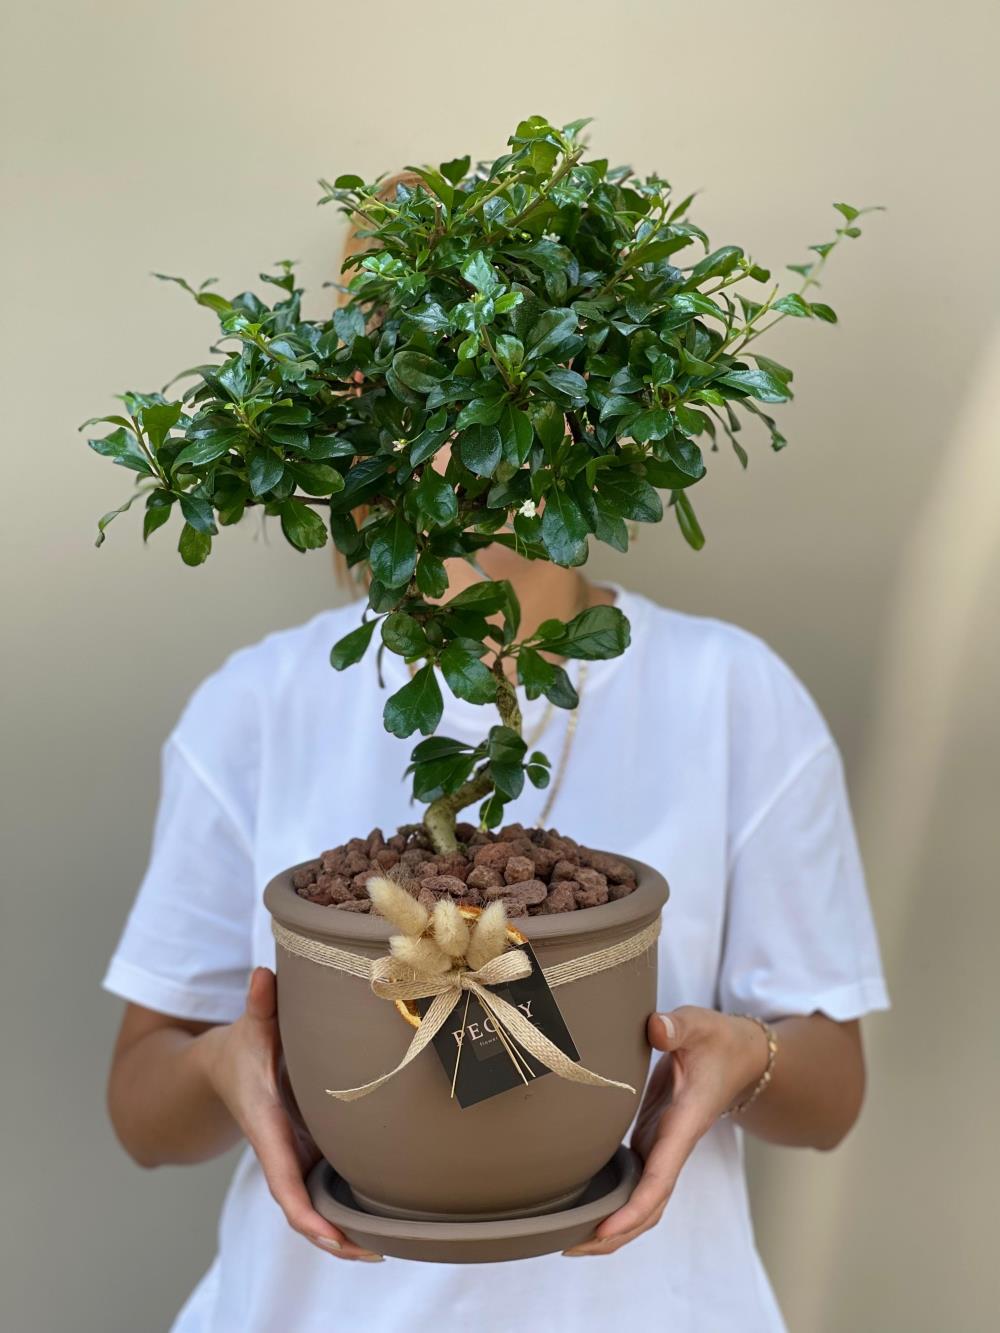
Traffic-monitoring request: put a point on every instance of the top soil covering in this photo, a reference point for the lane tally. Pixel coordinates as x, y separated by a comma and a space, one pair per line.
534, 872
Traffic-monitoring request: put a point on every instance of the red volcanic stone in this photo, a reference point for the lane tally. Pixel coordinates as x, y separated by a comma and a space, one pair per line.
494, 855
561, 898
483, 877
444, 884
519, 869
564, 869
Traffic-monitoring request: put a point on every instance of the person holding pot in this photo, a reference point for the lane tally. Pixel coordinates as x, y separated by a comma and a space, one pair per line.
697, 751
738, 794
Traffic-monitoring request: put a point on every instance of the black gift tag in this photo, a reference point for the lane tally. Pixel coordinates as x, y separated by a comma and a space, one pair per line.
483, 1060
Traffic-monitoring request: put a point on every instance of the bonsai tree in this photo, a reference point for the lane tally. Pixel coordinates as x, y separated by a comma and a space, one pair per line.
523, 357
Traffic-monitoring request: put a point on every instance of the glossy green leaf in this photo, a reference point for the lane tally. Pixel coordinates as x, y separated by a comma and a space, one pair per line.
302, 526
564, 529
415, 707
393, 553
480, 449
468, 678
597, 633
194, 546
436, 500
353, 646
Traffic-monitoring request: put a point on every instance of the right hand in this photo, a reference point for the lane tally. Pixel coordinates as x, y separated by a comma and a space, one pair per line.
244, 1064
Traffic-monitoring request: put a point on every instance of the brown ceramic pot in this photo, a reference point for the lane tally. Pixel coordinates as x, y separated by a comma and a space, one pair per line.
407, 1149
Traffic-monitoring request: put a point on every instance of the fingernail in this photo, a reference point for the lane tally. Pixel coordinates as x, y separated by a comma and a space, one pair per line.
668, 1024
327, 1243
372, 1258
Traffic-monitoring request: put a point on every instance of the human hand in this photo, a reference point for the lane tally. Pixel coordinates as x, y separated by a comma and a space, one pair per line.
710, 1060
243, 1062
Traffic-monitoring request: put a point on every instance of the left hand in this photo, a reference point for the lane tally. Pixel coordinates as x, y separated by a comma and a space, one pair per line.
711, 1060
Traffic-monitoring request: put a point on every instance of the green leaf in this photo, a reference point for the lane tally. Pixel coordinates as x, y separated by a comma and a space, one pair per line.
848, 211
594, 634
564, 529
415, 707
687, 522
105, 519
758, 384
567, 382
488, 596
468, 678
455, 169
417, 371
316, 478
506, 752
516, 436
302, 526
650, 425
194, 546
823, 312
349, 182
480, 412
158, 508
158, 419
479, 273
436, 500
549, 424
548, 332
793, 304
265, 471
432, 578
199, 513
393, 553
122, 446
716, 265
352, 647
629, 496
539, 676
403, 635
480, 449
207, 448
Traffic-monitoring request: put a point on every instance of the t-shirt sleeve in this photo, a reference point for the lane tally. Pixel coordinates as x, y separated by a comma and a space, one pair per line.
800, 935
186, 949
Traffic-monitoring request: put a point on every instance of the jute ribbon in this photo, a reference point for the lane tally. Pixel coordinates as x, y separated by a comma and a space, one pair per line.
392, 980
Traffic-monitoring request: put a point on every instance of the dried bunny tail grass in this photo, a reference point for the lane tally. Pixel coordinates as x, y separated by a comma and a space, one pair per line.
423, 955
394, 903
450, 929
489, 936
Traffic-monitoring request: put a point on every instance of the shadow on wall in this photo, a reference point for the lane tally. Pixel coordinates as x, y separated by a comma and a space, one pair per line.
920, 1243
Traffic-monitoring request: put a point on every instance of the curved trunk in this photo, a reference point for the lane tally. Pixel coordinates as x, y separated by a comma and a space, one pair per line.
441, 815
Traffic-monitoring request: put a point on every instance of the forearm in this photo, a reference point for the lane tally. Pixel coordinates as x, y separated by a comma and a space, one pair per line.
162, 1102
817, 1086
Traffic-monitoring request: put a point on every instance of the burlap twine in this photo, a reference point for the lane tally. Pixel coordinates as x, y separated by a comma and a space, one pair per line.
392, 980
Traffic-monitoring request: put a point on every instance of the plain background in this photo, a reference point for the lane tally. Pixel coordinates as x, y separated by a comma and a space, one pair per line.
187, 138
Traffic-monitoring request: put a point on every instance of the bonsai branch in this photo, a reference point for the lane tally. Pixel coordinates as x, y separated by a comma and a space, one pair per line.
441, 815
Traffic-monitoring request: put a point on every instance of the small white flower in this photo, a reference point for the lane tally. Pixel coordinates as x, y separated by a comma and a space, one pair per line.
398, 446
528, 509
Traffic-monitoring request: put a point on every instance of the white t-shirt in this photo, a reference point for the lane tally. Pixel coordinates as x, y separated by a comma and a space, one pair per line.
697, 751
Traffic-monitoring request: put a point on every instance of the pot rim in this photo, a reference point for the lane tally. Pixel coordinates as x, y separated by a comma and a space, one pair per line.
328, 923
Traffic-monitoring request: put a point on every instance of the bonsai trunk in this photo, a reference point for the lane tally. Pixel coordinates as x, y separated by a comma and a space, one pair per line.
442, 814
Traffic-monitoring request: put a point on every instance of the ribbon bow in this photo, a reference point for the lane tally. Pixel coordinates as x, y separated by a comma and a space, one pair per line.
392, 980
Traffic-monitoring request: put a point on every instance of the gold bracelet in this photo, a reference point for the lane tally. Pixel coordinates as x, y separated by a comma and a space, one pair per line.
765, 1078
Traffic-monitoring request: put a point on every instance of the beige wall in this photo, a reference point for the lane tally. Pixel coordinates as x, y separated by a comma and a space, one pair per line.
187, 137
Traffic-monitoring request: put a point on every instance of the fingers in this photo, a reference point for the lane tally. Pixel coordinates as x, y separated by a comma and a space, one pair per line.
676, 1029
272, 1141
680, 1129
262, 995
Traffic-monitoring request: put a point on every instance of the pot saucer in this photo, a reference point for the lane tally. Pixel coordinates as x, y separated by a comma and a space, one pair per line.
476, 1242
